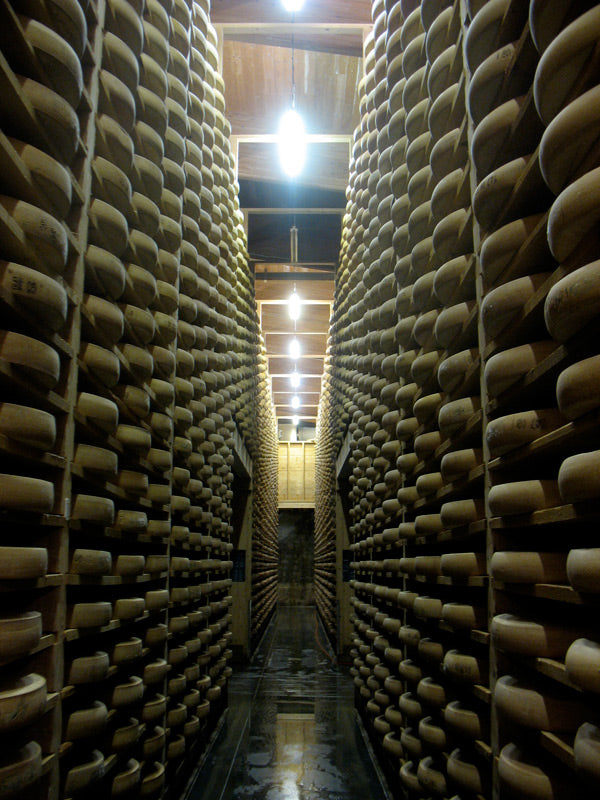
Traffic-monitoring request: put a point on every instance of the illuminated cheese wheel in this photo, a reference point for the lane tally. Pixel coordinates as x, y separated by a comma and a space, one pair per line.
453, 370
464, 720
114, 143
465, 667
506, 368
587, 752
491, 27
526, 705
19, 492
409, 705
120, 59
493, 131
20, 767
128, 607
463, 615
578, 387
428, 607
464, 772
55, 117
48, 175
44, 237
85, 722
455, 323
90, 562
115, 99
561, 71
89, 615
28, 425
19, 633
572, 302
22, 700
139, 361
432, 734
103, 320
583, 664
431, 777
459, 462
574, 215
96, 460
529, 567
582, 569
98, 410
108, 227
100, 510
124, 21
88, 669
134, 437
514, 430
462, 512
504, 303
455, 414
494, 191
111, 184
59, 62
579, 477
104, 273
463, 565
539, 639
132, 482
521, 245
523, 497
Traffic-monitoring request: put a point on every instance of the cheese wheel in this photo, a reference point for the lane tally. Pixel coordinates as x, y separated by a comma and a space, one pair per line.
28, 425
98, 410
124, 21
88, 669
129, 565
462, 615
514, 430
464, 720
139, 361
583, 664
561, 71
120, 59
502, 305
104, 273
520, 245
453, 370
431, 776
55, 117
528, 567
59, 62
97, 460
89, 615
409, 705
49, 176
492, 134
462, 512
494, 80
464, 772
19, 768
579, 477
538, 639
22, 700
465, 668
505, 369
577, 387
111, 184
523, 497
572, 302
455, 414
45, 240
86, 722
22, 493
492, 194
108, 227
431, 692
90, 562
102, 321
125, 694
133, 482
458, 463
127, 650
431, 734
456, 323
126, 736
116, 100
128, 779
582, 569
491, 27
133, 437
463, 565
573, 217
428, 607
587, 752
93, 509
114, 143
526, 705
19, 633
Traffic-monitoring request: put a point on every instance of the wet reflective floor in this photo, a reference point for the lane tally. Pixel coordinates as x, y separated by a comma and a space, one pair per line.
291, 731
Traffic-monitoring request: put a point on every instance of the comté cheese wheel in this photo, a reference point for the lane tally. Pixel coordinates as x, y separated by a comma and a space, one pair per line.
583, 664
114, 143
462, 512
104, 273
492, 27
465, 667
90, 562
22, 563
454, 415
19, 633
579, 477
504, 303
100, 510
99, 410
108, 228
463, 565
28, 425
463, 771
573, 302
561, 71
523, 497
529, 567
587, 752
526, 705
86, 722
521, 245
59, 62
535, 638
431, 733
514, 430
462, 615
102, 363
574, 215
432, 776
48, 175
22, 493
37, 293
111, 184
20, 767
102, 319
54, 115
578, 388
453, 370
582, 569
506, 368
45, 236
458, 463
463, 719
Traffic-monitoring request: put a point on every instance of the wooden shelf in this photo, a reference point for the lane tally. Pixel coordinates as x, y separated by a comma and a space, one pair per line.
548, 591
580, 512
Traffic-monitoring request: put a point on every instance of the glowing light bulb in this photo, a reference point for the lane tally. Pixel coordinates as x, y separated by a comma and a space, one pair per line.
295, 349
292, 5
295, 421
292, 143
295, 380
294, 306
295, 401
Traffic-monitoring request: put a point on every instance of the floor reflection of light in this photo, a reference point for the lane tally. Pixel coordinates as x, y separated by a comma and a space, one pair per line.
289, 790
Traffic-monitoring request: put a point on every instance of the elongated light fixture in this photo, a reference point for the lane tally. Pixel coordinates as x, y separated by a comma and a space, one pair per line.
295, 380
295, 349
295, 421
294, 305
292, 5
292, 134
295, 401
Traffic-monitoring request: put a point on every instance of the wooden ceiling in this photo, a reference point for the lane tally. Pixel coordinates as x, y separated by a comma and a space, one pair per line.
257, 39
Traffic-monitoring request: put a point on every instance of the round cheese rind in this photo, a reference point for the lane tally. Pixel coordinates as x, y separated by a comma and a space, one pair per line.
59, 62
526, 705
579, 477
523, 497
504, 369
19, 492
578, 388
514, 430
528, 567
583, 664
30, 426
573, 302
539, 639
582, 569
48, 175
55, 116
23, 563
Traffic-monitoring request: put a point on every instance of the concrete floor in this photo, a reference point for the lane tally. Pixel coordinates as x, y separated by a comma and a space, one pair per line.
290, 732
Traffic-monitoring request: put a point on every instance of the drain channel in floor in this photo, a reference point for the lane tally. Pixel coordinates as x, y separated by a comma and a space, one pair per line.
295, 707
